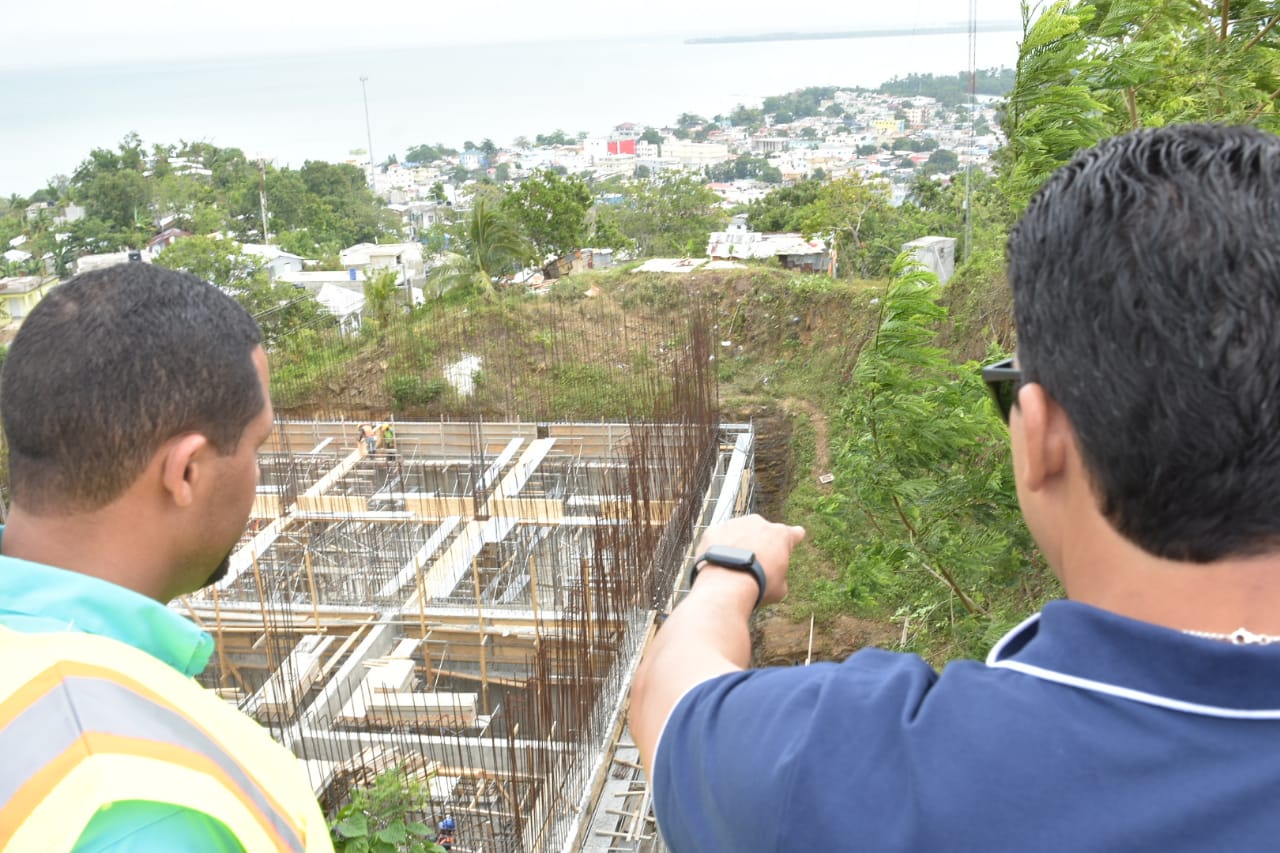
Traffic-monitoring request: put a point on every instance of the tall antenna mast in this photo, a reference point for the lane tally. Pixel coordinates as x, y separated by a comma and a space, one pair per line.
368, 132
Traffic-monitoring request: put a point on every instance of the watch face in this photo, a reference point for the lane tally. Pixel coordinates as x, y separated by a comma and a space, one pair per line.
725, 555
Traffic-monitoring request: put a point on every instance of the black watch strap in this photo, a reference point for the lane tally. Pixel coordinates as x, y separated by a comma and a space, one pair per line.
738, 559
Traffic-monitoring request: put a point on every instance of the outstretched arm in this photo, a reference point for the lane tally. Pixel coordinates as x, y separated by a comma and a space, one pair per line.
707, 634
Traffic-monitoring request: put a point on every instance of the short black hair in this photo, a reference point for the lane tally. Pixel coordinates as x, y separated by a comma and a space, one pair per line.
112, 364
1146, 282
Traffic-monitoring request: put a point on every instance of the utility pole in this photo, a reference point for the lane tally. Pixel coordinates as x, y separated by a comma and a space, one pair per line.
262, 198
368, 131
973, 106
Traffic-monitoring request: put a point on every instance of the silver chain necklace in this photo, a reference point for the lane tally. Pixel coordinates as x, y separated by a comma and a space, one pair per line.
1238, 637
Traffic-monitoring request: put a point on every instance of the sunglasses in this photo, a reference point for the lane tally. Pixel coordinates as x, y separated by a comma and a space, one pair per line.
1003, 380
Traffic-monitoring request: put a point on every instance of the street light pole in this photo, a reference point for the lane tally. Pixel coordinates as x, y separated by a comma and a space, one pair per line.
368, 132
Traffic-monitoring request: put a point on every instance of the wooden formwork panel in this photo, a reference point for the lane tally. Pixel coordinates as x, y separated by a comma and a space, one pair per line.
660, 512
448, 710
434, 508
265, 506
334, 504
527, 509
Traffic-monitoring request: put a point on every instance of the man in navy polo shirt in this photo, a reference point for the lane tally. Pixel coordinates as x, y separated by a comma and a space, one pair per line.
1144, 712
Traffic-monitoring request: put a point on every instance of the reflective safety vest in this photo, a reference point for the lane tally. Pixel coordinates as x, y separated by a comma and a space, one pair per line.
86, 721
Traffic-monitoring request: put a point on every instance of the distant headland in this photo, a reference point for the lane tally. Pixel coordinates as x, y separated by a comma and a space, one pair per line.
931, 30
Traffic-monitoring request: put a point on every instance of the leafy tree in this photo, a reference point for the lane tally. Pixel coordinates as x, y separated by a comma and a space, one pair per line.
556, 137
855, 212
748, 117
488, 148
490, 248
800, 104
951, 89
1053, 82
429, 153
942, 160
651, 136
1093, 68
279, 308
667, 215
784, 209
502, 173
745, 167
552, 212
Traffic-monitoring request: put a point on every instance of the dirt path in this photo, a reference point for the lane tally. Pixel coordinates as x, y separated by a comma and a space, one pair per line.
821, 435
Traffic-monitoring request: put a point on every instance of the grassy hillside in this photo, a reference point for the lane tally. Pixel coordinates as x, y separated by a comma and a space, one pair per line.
786, 350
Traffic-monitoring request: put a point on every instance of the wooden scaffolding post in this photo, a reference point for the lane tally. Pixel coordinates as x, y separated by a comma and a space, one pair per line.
537, 619
484, 662
422, 594
222, 655
586, 603
311, 582
262, 608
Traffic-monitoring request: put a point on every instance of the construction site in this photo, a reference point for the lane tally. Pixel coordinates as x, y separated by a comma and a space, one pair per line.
466, 605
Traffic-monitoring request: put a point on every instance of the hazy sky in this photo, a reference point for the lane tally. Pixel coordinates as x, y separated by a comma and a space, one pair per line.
70, 32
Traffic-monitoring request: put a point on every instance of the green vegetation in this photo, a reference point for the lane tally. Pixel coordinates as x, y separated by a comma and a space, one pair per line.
552, 211
281, 310
871, 378
428, 153
801, 104
951, 89
379, 819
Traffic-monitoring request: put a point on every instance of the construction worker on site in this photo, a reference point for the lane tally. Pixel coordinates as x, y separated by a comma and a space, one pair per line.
134, 400
369, 435
388, 435
445, 836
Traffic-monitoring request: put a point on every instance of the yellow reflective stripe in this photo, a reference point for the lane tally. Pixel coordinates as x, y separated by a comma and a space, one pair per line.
60, 818
117, 717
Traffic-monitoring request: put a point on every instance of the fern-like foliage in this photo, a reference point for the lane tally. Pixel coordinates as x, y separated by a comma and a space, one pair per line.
1089, 69
924, 504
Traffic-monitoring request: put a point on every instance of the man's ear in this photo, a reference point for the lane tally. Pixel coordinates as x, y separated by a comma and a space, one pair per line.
1046, 436
181, 467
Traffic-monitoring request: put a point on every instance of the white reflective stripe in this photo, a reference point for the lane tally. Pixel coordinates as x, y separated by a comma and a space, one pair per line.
80, 704
67, 810
1136, 695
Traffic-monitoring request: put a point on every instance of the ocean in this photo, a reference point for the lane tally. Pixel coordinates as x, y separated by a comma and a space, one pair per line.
297, 106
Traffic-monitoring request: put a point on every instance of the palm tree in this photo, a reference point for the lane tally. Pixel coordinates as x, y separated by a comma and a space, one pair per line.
492, 249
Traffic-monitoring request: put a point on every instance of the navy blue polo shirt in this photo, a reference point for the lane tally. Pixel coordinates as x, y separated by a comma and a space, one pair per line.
1083, 730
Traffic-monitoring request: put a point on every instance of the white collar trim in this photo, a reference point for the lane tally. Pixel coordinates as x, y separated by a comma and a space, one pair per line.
994, 661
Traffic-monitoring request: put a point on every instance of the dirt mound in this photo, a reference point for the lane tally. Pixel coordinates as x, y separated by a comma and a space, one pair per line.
781, 642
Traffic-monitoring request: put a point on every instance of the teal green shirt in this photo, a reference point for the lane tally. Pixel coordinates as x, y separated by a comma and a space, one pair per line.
35, 598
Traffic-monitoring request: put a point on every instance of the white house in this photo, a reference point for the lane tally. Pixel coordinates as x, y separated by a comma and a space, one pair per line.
314, 280
406, 258
275, 259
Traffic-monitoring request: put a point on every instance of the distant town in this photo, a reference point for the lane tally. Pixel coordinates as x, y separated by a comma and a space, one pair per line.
920, 127
870, 134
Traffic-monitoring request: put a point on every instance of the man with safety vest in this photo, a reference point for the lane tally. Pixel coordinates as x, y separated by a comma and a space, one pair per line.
134, 400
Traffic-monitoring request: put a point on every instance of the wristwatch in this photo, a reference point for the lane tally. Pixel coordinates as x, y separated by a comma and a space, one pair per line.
738, 559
